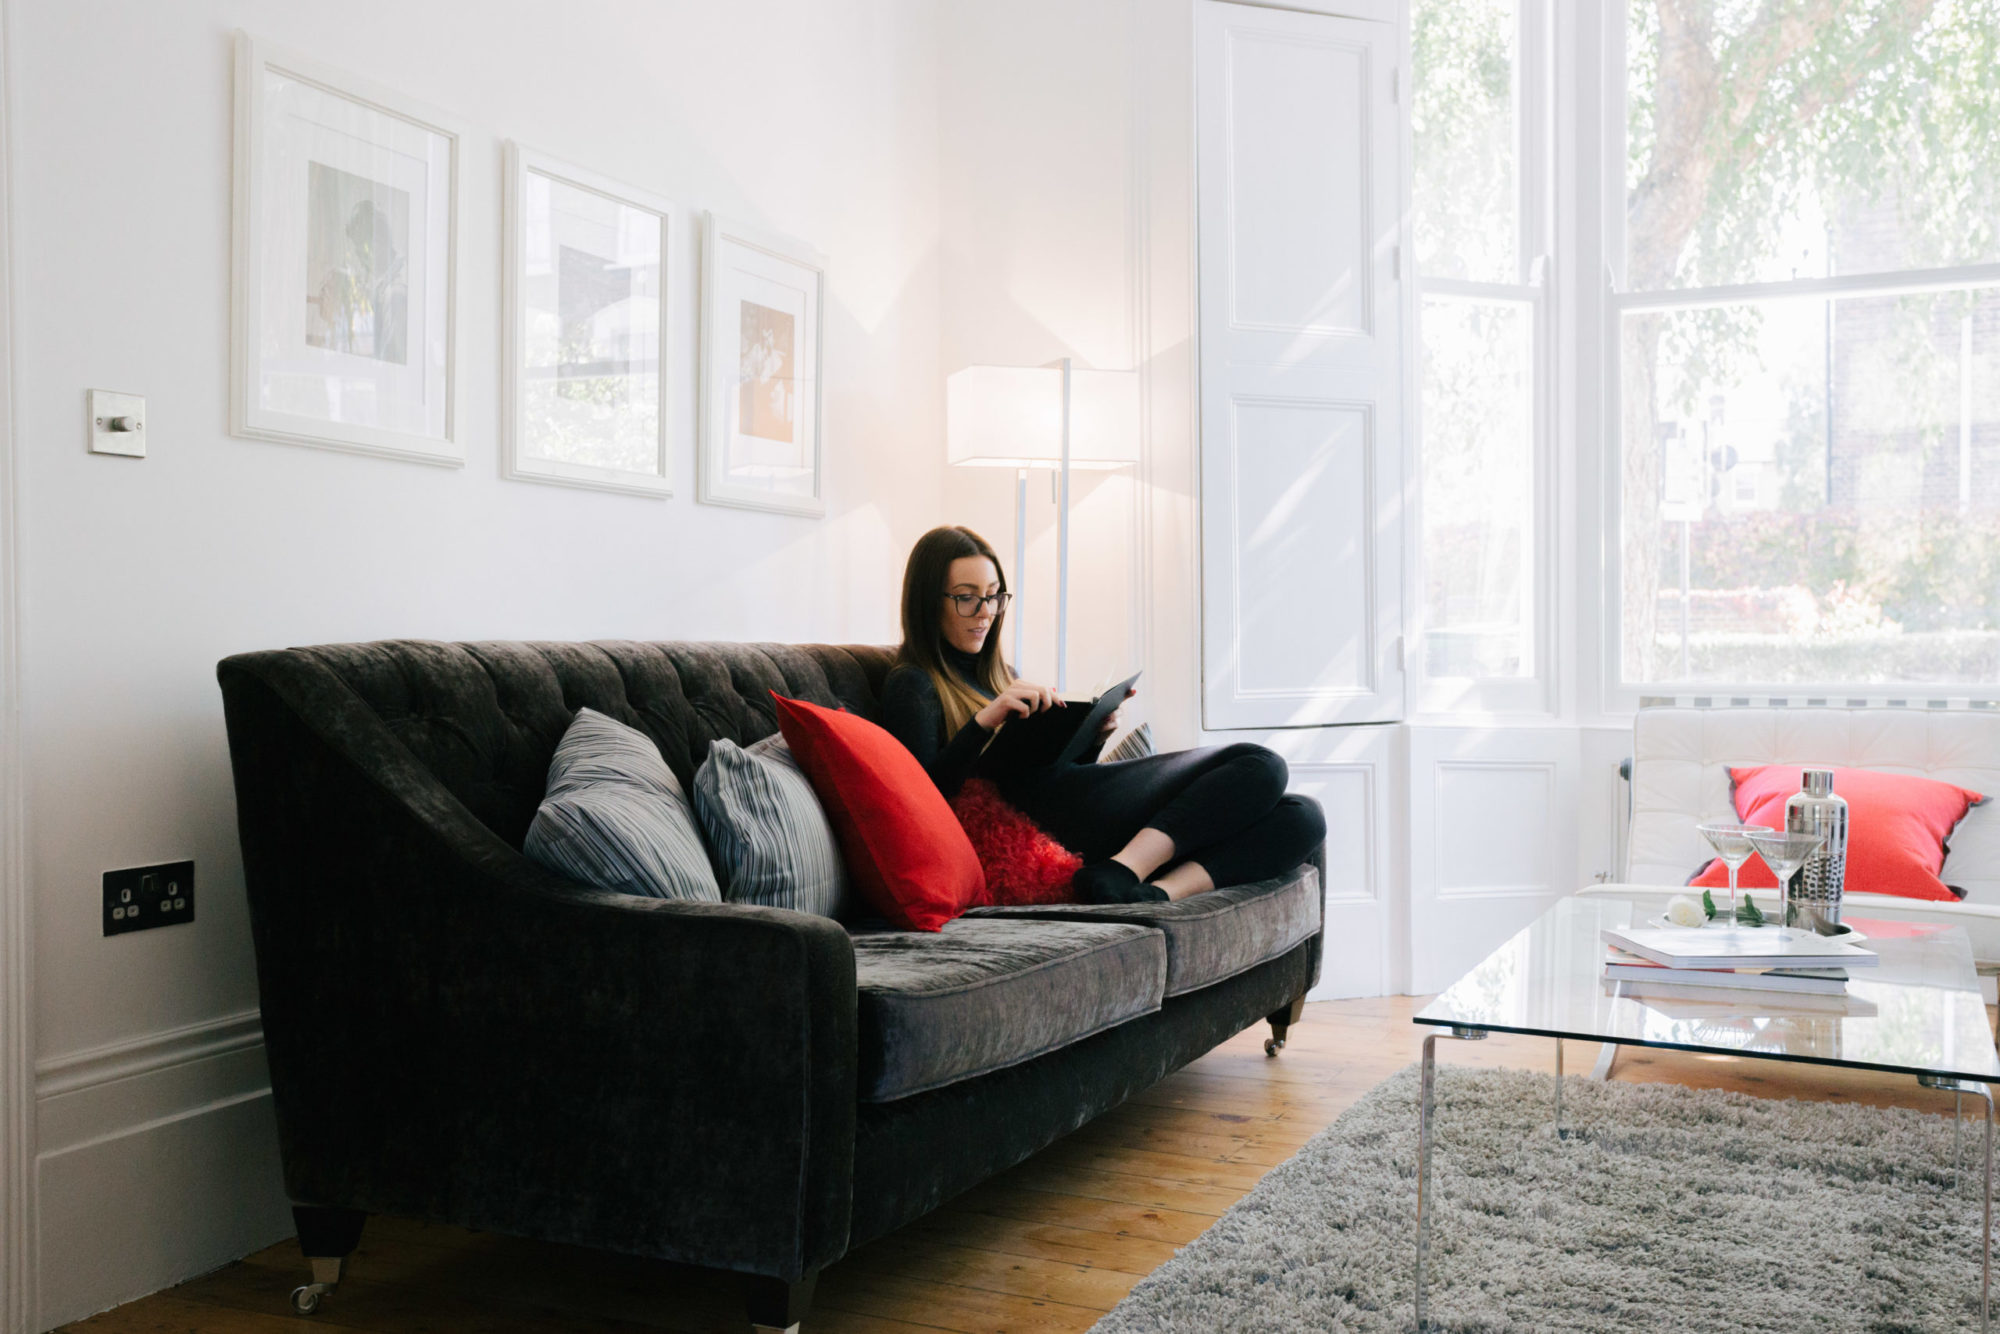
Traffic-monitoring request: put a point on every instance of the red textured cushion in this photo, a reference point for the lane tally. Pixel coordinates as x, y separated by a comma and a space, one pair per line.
902, 845
1023, 865
1897, 825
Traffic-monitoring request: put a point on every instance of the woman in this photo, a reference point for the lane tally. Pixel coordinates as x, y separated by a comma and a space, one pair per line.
1152, 829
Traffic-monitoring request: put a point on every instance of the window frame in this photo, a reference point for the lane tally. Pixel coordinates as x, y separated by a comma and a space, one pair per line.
1536, 693
1621, 695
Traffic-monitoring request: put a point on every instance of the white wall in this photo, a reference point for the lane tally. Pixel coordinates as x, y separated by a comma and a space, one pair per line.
817, 120
1038, 262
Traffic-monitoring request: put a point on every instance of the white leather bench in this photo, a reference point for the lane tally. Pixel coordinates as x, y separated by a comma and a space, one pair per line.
1680, 777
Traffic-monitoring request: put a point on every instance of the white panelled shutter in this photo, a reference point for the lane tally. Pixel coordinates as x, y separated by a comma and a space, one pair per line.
1301, 369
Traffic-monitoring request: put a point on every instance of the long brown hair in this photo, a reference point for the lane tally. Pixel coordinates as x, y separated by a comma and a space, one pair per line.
923, 622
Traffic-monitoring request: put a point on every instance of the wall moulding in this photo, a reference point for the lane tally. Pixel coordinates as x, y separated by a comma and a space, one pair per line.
188, 1111
17, 1051
1363, 885
144, 1055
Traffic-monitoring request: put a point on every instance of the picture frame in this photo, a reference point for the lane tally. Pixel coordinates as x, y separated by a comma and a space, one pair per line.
762, 303
344, 265
592, 293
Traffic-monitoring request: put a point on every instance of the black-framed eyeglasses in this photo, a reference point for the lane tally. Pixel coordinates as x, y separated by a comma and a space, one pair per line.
969, 604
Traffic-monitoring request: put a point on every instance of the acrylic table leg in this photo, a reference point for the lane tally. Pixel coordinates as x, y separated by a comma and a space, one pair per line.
1426, 1087
1424, 1082
1606, 1056
1559, 1088
1985, 1095
1986, 1221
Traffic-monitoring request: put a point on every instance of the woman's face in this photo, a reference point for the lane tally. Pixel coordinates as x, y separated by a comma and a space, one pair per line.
976, 576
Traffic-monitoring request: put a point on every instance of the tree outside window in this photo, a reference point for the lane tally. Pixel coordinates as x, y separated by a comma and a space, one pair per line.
1808, 335
1478, 170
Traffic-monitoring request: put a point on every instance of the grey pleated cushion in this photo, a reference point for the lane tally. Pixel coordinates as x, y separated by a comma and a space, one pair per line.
766, 830
1134, 745
615, 816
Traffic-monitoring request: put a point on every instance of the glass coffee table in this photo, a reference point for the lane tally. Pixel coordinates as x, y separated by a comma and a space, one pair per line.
1919, 1013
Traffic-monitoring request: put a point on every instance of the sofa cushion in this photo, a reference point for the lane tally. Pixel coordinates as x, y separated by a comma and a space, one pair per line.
616, 817
979, 995
1022, 864
904, 850
1208, 936
1899, 827
770, 840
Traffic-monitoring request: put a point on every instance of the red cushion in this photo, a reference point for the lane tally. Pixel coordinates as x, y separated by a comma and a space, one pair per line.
1897, 825
902, 845
1023, 865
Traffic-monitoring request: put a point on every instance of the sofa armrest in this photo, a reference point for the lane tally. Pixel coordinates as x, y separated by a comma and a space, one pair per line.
458, 1034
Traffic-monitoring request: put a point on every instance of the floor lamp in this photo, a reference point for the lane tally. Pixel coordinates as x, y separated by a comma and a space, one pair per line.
1058, 416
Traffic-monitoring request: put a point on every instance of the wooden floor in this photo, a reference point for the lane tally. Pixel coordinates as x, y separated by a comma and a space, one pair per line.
1048, 1246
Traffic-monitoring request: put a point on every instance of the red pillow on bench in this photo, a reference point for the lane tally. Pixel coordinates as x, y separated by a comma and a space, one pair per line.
1897, 827
903, 847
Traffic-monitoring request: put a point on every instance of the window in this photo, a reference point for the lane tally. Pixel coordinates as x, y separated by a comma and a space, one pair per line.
1806, 329
1479, 189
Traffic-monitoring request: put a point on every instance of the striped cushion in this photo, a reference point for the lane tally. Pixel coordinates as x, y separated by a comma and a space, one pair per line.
767, 831
1134, 745
615, 816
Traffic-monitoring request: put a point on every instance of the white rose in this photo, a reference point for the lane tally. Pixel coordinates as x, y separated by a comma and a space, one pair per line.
1684, 911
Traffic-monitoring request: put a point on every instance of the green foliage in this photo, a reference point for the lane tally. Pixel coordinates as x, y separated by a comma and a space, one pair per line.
1708, 904
1747, 913
1923, 570
1803, 111
1462, 124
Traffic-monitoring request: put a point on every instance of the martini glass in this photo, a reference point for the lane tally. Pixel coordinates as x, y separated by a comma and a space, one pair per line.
1732, 844
1784, 851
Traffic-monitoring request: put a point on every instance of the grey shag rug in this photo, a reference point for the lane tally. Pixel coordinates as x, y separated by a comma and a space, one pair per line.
1667, 1209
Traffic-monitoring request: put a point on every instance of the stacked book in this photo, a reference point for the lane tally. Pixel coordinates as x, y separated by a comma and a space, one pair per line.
1704, 963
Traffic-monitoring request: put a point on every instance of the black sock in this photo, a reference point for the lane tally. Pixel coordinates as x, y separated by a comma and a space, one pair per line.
1113, 882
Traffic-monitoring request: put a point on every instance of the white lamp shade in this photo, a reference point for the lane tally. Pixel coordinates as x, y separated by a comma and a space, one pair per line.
1011, 417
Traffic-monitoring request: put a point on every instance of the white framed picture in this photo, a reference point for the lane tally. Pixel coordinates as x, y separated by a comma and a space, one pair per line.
343, 328
760, 371
590, 296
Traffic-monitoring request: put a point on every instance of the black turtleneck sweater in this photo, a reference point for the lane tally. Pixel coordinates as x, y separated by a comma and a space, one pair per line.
914, 715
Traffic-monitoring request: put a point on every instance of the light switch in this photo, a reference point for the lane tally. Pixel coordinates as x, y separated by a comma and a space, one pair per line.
117, 424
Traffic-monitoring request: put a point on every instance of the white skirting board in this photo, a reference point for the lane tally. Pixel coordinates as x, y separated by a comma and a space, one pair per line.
157, 1160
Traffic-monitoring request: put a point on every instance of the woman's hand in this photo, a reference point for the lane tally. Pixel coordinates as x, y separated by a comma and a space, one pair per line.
1022, 698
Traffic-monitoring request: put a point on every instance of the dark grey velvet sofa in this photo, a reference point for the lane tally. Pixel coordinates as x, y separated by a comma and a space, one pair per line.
456, 1034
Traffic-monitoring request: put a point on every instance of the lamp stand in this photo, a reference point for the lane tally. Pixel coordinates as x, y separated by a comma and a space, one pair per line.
1062, 546
1020, 555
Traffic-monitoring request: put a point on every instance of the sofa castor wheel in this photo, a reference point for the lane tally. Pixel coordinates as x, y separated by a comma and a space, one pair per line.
1272, 1046
305, 1300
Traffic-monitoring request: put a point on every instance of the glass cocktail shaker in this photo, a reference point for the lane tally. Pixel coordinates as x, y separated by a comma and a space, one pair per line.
1813, 897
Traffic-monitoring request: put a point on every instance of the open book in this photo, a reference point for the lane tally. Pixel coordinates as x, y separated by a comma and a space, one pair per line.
1057, 735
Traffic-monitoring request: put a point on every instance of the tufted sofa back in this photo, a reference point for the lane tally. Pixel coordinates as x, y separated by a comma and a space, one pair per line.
1681, 759
485, 718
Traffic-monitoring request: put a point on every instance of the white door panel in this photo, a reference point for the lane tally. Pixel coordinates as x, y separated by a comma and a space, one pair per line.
1302, 508
1356, 774
1298, 239
1493, 840
1301, 370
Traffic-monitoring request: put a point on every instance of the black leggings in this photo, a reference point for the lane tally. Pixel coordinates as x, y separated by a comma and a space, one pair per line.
1225, 807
